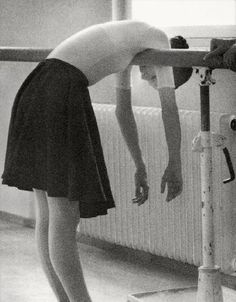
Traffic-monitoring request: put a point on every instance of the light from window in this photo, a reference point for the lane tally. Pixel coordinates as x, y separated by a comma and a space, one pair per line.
168, 13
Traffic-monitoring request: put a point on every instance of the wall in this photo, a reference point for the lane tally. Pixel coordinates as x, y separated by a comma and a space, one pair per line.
223, 93
45, 24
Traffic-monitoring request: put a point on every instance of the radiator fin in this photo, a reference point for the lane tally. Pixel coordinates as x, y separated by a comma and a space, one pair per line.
167, 229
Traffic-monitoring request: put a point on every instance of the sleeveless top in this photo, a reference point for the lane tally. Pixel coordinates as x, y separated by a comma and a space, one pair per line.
107, 48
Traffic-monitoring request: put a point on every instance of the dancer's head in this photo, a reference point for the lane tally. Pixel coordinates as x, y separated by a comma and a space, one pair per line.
181, 74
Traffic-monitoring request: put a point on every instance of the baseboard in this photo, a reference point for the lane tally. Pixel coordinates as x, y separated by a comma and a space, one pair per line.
130, 254
139, 256
135, 255
17, 219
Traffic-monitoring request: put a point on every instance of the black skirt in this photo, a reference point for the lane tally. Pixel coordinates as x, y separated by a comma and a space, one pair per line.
53, 140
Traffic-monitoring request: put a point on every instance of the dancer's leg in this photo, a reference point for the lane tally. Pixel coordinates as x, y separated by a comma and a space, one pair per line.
41, 234
64, 218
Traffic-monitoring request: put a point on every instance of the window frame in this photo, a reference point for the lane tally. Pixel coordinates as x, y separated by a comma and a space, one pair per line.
200, 36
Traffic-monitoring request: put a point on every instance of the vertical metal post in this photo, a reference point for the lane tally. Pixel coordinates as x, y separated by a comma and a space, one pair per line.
209, 283
206, 180
121, 10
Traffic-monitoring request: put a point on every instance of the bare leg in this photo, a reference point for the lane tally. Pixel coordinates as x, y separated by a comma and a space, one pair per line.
41, 234
64, 218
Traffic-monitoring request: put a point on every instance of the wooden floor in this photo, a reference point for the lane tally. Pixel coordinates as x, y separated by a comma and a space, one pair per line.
109, 275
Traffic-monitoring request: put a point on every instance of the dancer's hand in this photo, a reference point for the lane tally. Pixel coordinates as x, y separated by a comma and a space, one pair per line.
222, 50
173, 179
148, 74
141, 186
229, 58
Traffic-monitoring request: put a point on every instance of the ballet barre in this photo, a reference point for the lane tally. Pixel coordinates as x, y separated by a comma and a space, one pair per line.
170, 57
23, 54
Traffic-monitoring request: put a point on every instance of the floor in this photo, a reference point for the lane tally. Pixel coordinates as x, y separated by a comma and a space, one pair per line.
109, 276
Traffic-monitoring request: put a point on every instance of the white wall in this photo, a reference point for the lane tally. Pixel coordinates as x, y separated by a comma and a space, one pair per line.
223, 93
45, 24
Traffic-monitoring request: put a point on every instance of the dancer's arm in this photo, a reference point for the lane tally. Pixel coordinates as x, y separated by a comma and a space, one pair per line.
161, 78
173, 174
128, 127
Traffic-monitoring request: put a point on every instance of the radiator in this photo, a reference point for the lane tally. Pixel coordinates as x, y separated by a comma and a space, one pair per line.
172, 229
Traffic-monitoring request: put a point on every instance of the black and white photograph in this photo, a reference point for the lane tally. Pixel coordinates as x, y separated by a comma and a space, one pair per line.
118, 151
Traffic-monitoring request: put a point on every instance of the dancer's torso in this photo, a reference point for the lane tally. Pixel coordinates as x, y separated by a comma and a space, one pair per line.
107, 48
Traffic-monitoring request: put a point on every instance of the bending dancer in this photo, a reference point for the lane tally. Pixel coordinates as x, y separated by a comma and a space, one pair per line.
54, 147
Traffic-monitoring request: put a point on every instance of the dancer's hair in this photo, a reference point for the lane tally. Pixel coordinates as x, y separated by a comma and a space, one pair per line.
181, 74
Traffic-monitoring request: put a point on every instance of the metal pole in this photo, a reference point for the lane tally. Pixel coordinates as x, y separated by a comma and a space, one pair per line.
206, 180
121, 10
209, 283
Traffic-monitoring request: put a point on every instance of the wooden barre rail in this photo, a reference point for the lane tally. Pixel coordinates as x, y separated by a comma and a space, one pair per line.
23, 54
172, 57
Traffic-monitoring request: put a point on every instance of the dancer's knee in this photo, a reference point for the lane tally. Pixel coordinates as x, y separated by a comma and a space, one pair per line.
63, 221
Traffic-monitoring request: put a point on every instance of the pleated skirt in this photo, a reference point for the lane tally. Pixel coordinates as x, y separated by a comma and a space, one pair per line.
54, 142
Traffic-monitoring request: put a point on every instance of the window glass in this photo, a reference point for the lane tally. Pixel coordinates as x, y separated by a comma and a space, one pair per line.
169, 13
